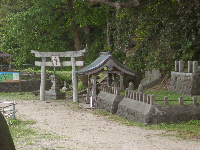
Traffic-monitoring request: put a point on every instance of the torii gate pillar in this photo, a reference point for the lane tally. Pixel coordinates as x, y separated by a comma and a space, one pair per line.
73, 63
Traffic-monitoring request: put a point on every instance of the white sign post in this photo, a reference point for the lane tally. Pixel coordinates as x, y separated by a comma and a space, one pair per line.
55, 57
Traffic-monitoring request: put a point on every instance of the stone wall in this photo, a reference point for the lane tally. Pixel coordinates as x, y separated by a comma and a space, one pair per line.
185, 83
108, 99
142, 108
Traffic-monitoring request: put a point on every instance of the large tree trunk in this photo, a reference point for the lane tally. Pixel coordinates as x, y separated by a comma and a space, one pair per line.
77, 42
87, 34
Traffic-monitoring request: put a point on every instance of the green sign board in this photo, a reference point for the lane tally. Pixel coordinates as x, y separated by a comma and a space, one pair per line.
9, 76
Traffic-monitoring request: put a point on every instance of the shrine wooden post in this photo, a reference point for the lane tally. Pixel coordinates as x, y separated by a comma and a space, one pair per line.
73, 63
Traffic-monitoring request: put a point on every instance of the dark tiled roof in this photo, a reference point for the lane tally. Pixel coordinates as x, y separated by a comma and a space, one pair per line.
100, 63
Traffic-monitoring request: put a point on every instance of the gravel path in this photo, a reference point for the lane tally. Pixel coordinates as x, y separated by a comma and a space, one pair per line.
79, 129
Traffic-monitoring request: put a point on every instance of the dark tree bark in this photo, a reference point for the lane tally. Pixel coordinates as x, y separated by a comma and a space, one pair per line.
77, 42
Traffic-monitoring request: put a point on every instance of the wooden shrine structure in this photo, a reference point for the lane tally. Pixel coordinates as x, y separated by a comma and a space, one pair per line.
106, 64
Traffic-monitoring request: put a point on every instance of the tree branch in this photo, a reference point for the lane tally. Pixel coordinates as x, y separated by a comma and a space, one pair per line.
116, 4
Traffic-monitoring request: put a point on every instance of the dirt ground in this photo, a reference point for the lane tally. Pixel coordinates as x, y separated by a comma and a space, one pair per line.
80, 129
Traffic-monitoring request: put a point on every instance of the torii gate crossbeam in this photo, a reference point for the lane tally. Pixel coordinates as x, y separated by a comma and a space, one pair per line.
73, 63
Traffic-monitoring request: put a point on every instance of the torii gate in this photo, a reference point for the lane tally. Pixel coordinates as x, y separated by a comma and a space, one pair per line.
73, 63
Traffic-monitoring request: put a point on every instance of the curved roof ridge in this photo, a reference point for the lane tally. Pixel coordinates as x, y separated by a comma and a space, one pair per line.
102, 60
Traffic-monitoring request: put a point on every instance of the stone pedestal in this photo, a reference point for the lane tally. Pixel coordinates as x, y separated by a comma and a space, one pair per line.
54, 93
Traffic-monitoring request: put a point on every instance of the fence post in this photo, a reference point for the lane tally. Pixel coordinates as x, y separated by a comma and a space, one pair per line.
176, 66
194, 101
181, 66
126, 93
134, 95
166, 101
152, 99
180, 101
137, 96
195, 66
148, 99
141, 97
145, 98
117, 91
131, 94
189, 66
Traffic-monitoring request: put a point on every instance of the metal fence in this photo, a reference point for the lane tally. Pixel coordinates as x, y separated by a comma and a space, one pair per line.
8, 109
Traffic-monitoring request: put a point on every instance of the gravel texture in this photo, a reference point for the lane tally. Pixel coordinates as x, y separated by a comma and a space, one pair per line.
68, 127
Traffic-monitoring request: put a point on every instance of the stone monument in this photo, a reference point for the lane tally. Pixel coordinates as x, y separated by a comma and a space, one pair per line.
131, 86
54, 93
140, 88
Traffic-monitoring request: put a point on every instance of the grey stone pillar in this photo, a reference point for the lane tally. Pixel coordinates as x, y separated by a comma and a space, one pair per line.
145, 98
94, 94
194, 101
140, 88
148, 99
141, 97
109, 79
180, 99
181, 66
74, 80
152, 100
118, 91
166, 101
131, 94
121, 82
137, 96
195, 66
126, 93
189, 66
43, 79
134, 95
115, 79
88, 90
176, 66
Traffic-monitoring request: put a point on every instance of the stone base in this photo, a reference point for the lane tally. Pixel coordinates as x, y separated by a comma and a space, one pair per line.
185, 83
108, 101
53, 95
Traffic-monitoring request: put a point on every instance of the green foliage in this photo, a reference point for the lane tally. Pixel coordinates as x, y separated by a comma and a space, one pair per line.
157, 32
46, 26
36, 28
63, 75
166, 31
81, 86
